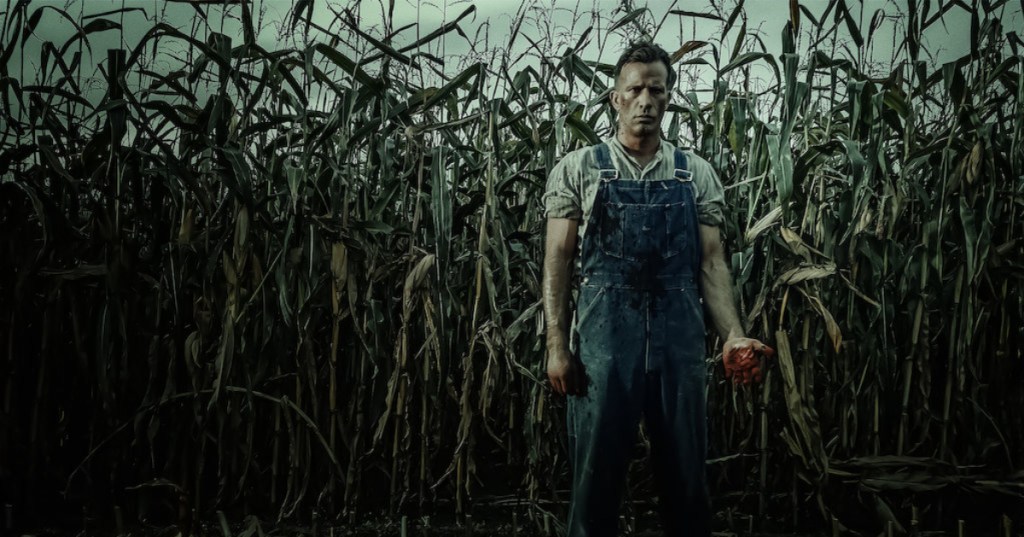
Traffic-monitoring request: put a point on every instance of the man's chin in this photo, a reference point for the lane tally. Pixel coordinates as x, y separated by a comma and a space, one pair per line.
645, 129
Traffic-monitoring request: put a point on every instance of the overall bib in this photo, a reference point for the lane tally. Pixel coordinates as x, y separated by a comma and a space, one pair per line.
640, 331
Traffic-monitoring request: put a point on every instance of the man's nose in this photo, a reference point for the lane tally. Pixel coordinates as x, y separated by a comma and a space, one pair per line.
645, 100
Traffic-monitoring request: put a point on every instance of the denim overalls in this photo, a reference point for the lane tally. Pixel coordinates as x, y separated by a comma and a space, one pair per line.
640, 331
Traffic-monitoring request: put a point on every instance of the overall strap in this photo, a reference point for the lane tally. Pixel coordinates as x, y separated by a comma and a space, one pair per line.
604, 162
682, 173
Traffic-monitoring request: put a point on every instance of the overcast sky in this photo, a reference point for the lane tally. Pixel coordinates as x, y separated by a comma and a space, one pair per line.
549, 23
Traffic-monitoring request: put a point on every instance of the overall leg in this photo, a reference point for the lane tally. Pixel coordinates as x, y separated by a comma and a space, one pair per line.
602, 423
676, 415
677, 426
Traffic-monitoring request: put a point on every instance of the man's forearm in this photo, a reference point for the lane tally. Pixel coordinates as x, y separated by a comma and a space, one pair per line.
557, 271
716, 281
559, 249
559, 252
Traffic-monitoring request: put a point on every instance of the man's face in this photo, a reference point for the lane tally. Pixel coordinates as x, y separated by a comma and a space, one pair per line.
641, 97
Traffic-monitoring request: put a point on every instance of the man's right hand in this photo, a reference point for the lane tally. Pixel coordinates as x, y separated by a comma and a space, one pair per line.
566, 374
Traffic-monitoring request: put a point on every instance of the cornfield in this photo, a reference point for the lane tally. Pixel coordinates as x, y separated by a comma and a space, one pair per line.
305, 283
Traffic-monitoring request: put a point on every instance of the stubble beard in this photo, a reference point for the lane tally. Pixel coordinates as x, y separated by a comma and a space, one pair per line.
642, 129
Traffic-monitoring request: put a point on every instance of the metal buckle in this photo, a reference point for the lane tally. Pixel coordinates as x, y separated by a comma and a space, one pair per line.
609, 175
683, 175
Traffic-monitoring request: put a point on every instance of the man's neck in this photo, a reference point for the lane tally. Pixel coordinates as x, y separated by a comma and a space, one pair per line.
642, 149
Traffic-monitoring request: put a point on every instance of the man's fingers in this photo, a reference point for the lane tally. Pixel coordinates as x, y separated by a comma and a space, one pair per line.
744, 360
568, 384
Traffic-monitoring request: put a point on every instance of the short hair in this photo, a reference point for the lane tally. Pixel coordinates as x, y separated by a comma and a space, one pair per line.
645, 52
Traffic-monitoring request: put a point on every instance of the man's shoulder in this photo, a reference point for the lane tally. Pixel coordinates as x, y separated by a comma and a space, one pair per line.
671, 148
580, 153
697, 164
589, 151
577, 159
694, 159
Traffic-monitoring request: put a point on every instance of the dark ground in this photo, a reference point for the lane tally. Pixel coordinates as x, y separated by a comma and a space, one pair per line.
494, 523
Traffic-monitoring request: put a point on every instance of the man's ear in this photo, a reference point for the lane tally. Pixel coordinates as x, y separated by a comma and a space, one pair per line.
614, 98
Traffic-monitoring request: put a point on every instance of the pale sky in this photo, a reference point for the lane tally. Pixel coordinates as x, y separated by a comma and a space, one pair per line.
553, 25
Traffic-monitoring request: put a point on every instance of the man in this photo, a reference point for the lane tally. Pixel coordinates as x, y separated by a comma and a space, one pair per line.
649, 216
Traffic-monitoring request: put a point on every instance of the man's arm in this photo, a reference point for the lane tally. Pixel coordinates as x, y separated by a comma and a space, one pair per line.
716, 283
716, 287
559, 253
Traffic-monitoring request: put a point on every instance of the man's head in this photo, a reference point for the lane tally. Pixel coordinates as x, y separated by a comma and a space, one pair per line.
643, 83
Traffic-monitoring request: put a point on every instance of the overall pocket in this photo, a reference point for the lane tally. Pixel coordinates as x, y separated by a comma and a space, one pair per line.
633, 232
677, 228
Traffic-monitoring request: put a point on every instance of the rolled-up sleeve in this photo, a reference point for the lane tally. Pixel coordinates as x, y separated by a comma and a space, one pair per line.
710, 193
562, 193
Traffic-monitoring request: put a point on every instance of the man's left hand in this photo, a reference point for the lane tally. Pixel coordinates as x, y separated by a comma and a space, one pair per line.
744, 359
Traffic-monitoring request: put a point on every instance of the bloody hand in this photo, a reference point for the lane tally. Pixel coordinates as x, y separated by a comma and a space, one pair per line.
744, 360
